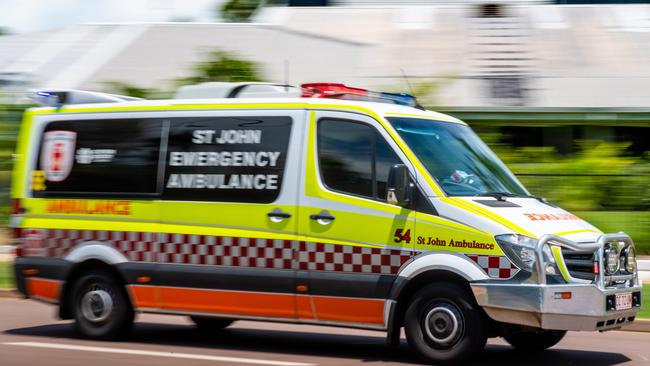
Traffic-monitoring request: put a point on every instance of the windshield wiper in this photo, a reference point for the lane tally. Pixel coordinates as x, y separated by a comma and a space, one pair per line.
501, 196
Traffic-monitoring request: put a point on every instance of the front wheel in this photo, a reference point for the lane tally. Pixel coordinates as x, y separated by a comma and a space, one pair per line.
532, 341
101, 307
444, 325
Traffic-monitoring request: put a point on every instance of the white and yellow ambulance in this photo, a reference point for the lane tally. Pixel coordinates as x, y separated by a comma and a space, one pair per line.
341, 207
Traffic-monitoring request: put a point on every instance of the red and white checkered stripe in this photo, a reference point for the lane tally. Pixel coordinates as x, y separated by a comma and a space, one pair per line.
495, 266
222, 250
345, 258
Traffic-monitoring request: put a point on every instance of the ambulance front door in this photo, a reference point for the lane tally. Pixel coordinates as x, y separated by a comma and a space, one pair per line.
352, 242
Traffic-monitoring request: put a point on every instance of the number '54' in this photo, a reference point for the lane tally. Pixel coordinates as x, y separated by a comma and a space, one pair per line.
401, 235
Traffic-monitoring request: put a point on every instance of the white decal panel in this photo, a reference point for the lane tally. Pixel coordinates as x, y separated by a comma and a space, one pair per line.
57, 155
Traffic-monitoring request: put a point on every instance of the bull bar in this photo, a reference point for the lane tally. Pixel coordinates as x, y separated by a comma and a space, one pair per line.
534, 302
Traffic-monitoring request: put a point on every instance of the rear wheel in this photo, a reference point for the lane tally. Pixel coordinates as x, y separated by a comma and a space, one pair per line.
532, 341
206, 324
101, 307
444, 326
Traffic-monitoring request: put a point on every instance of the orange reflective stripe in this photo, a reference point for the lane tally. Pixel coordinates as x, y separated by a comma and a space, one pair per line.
369, 311
144, 296
228, 302
43, 289
348, 310
303, 307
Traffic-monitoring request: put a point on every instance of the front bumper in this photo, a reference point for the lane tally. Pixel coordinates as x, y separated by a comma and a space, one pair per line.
538, 305
575, 305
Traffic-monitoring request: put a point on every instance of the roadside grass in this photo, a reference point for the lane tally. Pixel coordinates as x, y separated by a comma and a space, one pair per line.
634, 223
645, 306
6, 275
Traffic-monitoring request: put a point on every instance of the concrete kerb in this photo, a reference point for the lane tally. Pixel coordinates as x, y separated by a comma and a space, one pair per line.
9, 294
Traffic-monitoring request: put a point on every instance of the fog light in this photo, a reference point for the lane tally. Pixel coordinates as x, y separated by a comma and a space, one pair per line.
628, 259
611, 259
550, 269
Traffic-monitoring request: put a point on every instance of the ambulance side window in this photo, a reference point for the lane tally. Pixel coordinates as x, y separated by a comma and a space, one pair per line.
226, 159
354, 158
98, 158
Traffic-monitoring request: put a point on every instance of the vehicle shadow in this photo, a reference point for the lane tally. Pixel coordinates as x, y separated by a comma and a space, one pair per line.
359, 347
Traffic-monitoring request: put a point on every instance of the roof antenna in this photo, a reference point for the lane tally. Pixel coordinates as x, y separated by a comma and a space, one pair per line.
417, 104
407, 81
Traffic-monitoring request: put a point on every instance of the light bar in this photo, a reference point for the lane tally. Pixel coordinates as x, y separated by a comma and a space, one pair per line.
59, 97
342, 91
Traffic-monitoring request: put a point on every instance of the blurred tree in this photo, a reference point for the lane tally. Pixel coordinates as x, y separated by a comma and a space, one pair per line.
239, 10
223, 66
427, 92
598, 177
181, 19
124, 88
4, 31
219, 66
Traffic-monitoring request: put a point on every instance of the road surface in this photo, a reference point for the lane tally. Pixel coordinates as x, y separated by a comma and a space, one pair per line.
31, 335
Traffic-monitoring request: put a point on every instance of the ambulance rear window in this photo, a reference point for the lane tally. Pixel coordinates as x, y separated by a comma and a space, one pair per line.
107, 158
226, 159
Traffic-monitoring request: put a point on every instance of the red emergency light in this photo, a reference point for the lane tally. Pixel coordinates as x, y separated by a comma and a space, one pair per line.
342, 91
328, 90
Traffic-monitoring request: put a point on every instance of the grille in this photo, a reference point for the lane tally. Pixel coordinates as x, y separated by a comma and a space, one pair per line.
580, 265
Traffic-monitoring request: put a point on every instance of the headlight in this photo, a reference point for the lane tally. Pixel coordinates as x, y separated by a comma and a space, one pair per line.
519, 248
628, 259
610, 258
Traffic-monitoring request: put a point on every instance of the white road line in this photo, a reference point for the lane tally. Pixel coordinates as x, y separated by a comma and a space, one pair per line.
189, 356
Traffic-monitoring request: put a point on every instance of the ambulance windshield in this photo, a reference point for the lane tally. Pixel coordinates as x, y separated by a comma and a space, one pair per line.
457, 158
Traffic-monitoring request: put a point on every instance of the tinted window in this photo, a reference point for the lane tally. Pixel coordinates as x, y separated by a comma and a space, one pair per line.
354, 158
456, 157
345, 156
227, 159
98, 157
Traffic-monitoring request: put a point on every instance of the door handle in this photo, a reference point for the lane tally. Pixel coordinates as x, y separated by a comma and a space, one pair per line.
323, 217
278, 215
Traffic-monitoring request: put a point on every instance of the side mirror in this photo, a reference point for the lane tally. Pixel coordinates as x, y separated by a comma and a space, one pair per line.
397, 187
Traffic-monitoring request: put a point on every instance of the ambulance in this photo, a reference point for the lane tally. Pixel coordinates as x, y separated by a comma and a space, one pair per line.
321, 204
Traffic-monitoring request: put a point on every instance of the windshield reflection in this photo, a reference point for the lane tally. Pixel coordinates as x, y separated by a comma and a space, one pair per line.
457, 158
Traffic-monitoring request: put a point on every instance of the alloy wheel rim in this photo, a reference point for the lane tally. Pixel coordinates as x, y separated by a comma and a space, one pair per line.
443, 324
97, 305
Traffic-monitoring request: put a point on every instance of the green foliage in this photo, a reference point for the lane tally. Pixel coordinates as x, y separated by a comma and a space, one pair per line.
9, 123
219, 66
223, 66
6, 275
645, 304
633, 223
598, 177
427, 92
123, 88
239, 10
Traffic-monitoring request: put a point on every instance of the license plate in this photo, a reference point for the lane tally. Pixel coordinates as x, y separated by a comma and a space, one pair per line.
624, 301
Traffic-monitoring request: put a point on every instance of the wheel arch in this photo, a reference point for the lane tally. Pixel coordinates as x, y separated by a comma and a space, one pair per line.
425, 269
76, 272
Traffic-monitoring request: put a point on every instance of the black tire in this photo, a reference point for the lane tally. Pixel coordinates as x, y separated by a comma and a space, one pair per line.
429, 325
206, 324
535, 341
94, 317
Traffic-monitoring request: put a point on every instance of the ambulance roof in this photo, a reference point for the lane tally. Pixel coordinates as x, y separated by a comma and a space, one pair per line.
381, 109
